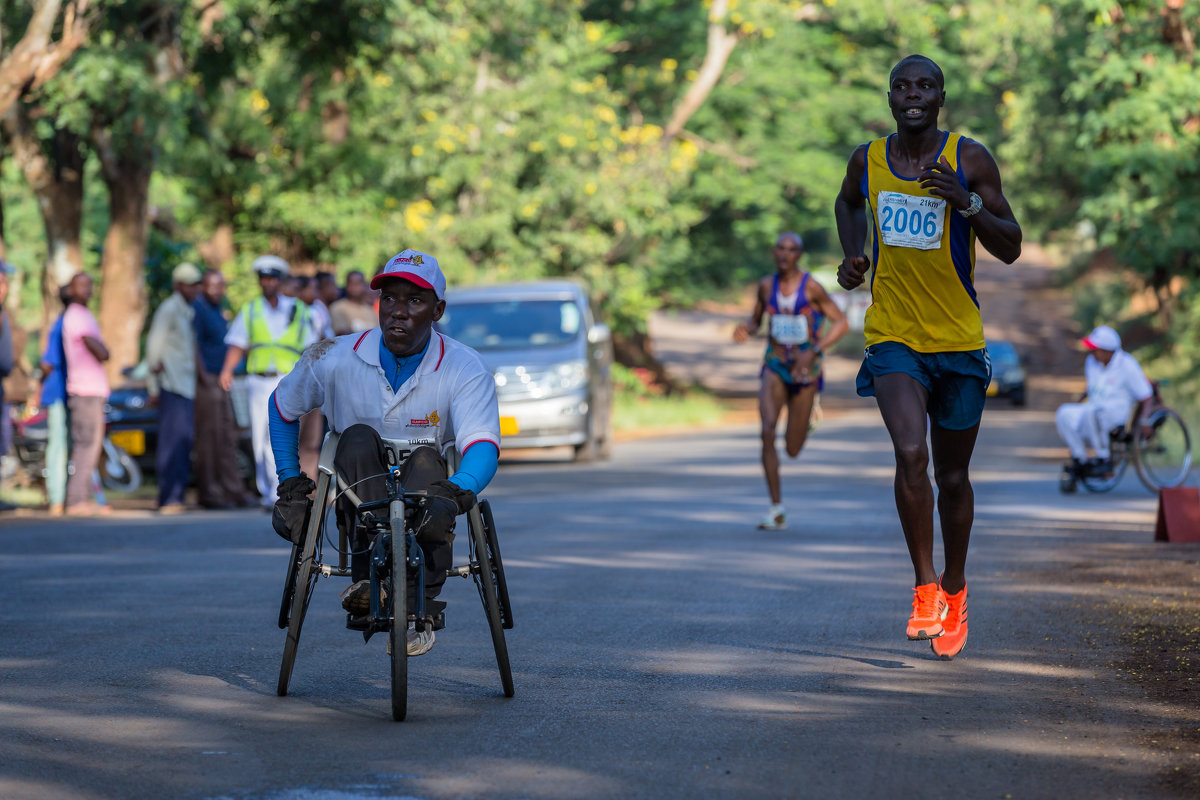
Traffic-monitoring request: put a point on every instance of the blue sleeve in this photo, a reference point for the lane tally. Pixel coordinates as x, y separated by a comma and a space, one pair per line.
54, 346
285, 442
6, 350
477, 468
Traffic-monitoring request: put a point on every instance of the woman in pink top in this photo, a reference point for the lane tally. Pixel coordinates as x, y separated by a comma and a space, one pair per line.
87, 389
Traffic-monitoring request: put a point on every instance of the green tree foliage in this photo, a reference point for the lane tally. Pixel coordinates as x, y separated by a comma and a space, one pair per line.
528, 138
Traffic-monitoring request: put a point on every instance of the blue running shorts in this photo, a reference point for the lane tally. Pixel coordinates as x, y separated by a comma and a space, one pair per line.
957, 382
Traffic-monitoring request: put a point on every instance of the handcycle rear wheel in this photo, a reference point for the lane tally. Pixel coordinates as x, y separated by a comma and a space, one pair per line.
484, 576
1162, 450
398, 634
300, 582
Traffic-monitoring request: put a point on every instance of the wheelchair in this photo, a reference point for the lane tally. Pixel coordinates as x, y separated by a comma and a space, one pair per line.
1155, 440
395, 565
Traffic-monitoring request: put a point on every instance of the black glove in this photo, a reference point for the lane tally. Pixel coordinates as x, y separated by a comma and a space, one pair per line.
464, 499
291, 509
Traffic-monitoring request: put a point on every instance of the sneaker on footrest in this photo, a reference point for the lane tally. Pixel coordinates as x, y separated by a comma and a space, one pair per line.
419, 642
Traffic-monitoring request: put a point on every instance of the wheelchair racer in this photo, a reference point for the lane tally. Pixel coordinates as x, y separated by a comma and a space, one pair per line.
1115, 384
401, 380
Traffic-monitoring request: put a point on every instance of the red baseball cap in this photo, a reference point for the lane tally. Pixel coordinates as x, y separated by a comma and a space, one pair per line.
1102, 338
415, 267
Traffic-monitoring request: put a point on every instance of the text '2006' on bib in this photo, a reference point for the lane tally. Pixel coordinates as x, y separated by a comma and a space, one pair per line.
908, 221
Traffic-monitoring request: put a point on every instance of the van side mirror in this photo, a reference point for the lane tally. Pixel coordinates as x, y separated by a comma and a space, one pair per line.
599, 333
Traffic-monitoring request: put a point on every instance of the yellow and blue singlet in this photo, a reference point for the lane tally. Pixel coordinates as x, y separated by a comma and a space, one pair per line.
923, 252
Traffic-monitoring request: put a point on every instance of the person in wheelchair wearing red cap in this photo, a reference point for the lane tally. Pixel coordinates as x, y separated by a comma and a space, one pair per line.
1115, 384
401, 380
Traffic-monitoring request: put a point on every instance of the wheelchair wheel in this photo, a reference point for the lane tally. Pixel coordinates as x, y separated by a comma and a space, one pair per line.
1163, 450
493, 547
484, 575
1106, 483
301, 588
398, 634
1118, 454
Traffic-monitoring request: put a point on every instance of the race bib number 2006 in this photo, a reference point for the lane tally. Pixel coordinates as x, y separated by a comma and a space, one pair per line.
907, 221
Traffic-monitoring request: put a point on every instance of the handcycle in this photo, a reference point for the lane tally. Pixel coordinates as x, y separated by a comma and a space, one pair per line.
1155, 440
396, 563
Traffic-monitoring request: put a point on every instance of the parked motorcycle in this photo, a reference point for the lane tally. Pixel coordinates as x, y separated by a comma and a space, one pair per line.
119, 471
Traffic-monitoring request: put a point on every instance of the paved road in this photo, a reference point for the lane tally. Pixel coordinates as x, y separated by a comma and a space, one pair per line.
663, 647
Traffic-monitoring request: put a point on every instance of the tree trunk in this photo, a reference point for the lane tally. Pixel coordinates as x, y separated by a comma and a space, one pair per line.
36, 59
123, 303
720, 44
54, 172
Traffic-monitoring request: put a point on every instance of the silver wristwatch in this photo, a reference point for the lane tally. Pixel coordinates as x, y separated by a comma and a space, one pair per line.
974, 208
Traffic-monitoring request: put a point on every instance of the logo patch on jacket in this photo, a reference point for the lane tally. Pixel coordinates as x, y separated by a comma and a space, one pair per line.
429, 420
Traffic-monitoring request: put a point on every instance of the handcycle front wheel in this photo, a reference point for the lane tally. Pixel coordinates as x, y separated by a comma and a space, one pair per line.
398, 634
484, 573
497, 564
1162, 449
289, 587
300, 582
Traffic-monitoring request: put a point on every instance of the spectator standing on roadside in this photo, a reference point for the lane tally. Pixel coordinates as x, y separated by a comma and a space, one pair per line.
171, 383
87, 389
7, 362
312, 424
306, 292
54, 400
328, 289
270, 332
356, 311
218, 480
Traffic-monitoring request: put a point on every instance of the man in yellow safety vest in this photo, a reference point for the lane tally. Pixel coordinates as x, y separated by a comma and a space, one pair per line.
270, 332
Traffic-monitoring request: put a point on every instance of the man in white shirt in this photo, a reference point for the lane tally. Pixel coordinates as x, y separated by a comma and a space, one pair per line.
171, 383
1115, 384
270, 332
401, 380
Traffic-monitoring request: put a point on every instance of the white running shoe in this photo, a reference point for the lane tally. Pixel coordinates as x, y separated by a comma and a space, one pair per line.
775, 520
420, 643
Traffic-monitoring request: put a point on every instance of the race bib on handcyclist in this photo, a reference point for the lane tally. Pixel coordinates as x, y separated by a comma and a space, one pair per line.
908, 221
789, 329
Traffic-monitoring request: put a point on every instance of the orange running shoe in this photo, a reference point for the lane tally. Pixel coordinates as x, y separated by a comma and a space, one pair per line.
951, 644
929, 609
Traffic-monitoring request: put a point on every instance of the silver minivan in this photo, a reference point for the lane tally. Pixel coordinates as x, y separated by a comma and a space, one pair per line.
551, 360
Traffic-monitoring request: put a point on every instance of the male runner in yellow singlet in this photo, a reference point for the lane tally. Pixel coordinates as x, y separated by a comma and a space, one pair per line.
918, 199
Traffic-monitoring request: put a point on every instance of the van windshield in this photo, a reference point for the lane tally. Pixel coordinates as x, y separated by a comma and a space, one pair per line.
512, 324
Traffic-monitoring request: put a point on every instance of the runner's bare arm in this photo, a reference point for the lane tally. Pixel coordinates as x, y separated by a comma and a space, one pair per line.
838, 324
995, 225
744, 329
850, 211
